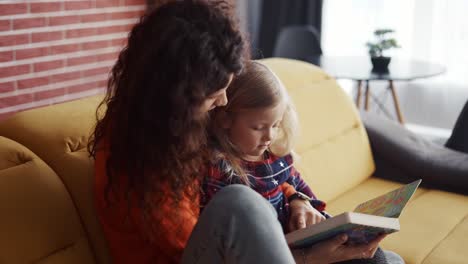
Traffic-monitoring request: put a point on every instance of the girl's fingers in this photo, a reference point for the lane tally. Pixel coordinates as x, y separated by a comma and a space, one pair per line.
301, 222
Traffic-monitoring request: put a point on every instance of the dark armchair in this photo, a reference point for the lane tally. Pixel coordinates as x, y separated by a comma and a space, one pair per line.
298, 42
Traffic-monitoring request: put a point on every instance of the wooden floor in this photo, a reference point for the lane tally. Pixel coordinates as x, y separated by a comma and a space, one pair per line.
429, 109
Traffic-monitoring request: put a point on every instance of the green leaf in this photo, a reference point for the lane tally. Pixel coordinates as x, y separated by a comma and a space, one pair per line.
379, 32
383, 42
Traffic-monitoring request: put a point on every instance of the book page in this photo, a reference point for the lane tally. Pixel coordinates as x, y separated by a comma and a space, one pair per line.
390, 204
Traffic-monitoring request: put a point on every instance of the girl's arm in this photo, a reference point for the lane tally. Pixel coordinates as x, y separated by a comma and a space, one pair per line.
299, 184
302, 213
296, 180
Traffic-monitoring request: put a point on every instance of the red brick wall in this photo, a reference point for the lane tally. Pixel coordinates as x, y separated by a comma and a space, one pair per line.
53, 51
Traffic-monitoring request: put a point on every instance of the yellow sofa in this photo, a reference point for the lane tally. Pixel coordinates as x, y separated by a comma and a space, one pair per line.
46, 178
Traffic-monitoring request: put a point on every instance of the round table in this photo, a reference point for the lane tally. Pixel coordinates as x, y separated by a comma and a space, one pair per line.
359, 69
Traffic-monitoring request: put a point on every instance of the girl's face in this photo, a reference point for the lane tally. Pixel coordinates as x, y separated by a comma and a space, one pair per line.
215, 99
252, 131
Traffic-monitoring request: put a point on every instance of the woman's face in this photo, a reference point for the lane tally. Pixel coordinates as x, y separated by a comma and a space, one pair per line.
216, 99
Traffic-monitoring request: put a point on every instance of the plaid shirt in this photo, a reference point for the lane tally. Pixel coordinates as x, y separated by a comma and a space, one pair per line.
265, 177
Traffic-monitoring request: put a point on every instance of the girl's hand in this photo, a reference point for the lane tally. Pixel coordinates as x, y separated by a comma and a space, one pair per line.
303, 215
335, 250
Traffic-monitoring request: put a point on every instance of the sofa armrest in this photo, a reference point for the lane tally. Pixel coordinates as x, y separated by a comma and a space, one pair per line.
403, 156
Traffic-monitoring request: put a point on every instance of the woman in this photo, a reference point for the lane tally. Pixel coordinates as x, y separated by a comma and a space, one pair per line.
150, 144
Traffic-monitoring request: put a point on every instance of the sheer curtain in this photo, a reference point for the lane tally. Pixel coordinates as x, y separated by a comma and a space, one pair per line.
429, 30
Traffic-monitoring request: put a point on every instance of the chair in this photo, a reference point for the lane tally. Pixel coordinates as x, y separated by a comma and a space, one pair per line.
459, 139
298, 42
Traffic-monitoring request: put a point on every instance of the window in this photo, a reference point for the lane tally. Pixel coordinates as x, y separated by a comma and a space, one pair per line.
430, 30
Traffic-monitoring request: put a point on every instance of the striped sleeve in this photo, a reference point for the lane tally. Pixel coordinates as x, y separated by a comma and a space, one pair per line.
287, 189
296, 180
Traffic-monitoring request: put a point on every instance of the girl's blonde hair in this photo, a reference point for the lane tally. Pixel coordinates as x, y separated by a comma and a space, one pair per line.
255, 88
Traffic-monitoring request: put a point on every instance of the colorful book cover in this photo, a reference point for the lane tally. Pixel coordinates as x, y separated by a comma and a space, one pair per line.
390, 204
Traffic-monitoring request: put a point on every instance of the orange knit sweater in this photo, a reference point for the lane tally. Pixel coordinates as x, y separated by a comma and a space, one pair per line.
124, 229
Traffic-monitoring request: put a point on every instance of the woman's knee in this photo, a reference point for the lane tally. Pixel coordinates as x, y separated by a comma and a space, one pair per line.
241, 199
236, 191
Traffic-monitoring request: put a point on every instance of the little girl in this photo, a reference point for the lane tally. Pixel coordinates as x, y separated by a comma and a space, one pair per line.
253, 135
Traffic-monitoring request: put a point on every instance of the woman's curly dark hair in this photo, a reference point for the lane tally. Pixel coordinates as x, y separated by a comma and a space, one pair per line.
176, 56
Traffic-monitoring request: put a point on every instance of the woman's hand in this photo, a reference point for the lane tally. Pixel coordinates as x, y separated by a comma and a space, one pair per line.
303, 215
335, 250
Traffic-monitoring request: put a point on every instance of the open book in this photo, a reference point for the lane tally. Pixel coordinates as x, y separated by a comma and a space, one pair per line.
369, 220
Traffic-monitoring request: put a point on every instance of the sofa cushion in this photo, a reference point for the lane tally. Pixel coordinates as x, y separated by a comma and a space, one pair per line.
39, 222
58, 134
333, 144
404, 154
458, 140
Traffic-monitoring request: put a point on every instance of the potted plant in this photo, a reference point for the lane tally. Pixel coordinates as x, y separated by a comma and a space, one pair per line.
376, 49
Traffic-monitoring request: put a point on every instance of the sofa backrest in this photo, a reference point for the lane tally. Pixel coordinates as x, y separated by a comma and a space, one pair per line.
334, 150
39, 222
58, 134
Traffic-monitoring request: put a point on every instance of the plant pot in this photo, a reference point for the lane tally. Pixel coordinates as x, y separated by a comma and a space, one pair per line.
380, 64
